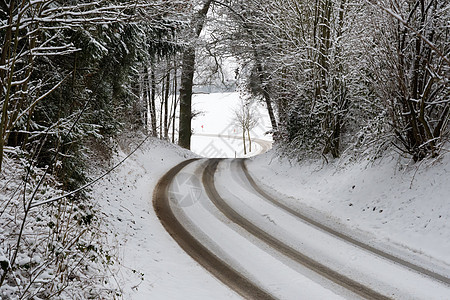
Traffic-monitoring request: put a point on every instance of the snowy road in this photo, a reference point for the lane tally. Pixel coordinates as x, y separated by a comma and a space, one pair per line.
264, 249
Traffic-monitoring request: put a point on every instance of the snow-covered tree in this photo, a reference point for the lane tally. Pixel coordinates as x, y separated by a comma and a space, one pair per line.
341, 72
410, 67
67, 75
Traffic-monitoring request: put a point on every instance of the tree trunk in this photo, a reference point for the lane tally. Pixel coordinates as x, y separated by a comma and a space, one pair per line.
175, 104
187, 78
153, 100
147, 100
265, 89
243, 140
161, 108
249, 141
166, 104
5, 52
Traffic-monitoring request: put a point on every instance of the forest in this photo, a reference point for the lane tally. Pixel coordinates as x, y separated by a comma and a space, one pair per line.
337, 77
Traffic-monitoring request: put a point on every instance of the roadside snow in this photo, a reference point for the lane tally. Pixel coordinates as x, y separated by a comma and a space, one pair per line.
400, 208
152, 266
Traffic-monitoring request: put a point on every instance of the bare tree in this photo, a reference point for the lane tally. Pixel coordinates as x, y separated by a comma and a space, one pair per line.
411, 71
245, 118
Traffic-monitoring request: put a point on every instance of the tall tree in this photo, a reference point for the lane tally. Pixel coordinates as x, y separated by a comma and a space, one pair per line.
187, 75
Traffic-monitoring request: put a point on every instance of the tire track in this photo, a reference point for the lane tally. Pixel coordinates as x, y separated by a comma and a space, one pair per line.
356, 287
340, 235
194, 248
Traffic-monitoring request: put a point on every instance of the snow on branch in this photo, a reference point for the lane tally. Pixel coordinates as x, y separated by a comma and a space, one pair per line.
406, 24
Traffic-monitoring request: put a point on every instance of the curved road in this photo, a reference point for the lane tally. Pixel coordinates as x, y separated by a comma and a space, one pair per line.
264, 249
265, 145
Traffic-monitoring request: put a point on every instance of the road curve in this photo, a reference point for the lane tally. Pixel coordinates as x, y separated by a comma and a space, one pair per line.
194, 248
264, 144
232, 204
208, 182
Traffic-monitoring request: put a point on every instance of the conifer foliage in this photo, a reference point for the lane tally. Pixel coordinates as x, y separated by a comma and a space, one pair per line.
69, 76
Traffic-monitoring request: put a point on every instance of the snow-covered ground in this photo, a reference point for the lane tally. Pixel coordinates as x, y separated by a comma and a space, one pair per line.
402, 208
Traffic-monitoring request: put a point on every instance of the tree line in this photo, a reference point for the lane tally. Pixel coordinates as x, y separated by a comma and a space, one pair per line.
331, 73
73, 74
343, 74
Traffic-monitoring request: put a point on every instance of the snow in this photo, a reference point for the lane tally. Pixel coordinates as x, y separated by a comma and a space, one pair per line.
154, 266
362, 266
